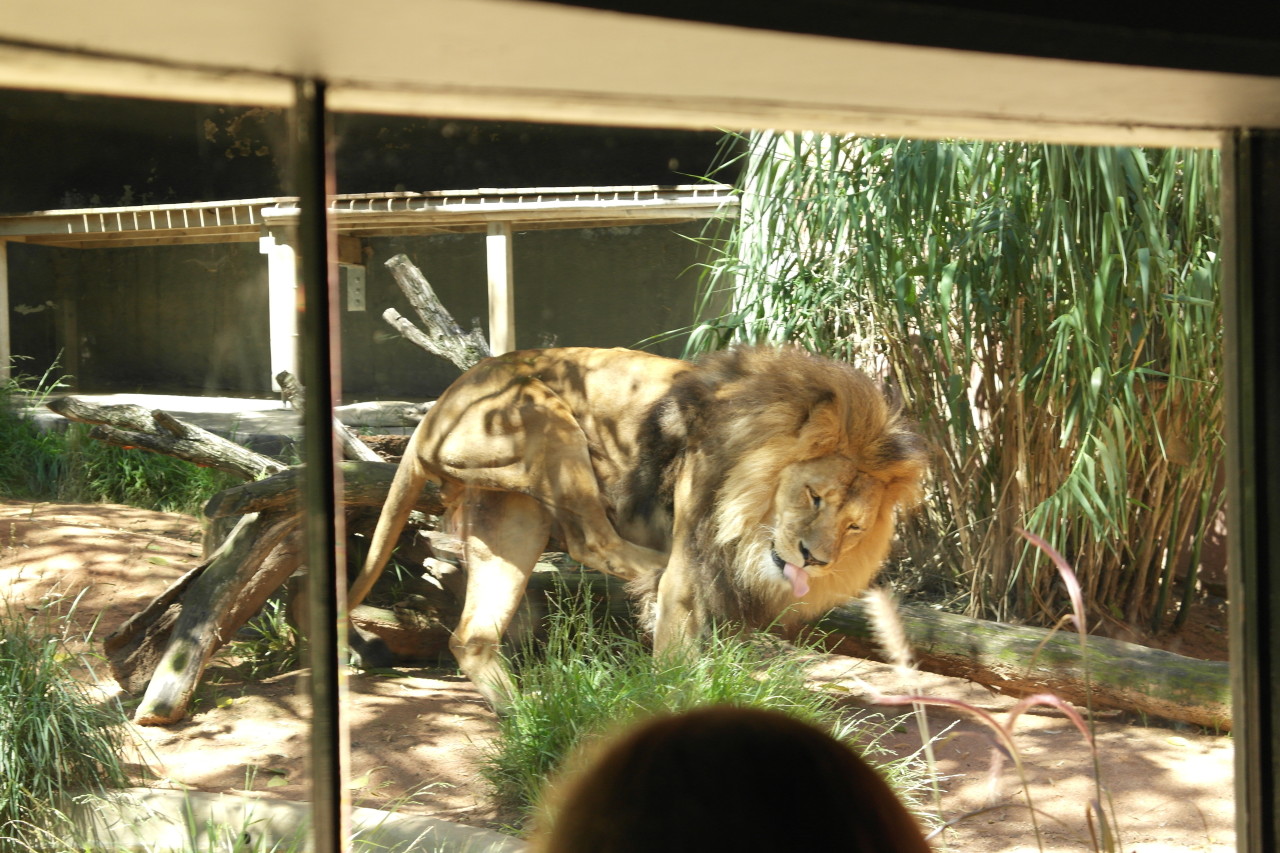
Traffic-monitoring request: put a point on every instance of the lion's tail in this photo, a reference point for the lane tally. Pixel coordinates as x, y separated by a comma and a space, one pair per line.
410, 478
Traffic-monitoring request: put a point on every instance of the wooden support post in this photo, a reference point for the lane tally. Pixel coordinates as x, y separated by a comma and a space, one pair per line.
282, 303
502, 295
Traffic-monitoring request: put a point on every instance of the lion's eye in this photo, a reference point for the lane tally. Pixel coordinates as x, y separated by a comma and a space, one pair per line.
855, 528
814, 497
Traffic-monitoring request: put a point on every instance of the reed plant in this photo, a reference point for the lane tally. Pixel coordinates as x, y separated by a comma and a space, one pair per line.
1051, 316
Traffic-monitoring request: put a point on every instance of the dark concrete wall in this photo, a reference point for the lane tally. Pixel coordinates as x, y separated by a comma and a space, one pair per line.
193, 319
189, 319
33, 315
574, 287
172, 318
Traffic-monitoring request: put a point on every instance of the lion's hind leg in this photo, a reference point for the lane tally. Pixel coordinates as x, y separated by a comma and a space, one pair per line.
502, 534
527, 439
570, 488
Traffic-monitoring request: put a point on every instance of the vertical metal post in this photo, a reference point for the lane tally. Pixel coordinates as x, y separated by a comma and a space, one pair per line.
6, 343
317, 255
502, 293
1251, 315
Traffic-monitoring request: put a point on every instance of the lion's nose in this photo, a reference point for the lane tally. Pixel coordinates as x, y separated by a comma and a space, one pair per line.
809, 559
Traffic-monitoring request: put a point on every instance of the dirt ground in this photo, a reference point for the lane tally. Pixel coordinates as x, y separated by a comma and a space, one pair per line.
415, 737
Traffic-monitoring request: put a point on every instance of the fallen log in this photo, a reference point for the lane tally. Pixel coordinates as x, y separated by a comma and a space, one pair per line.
134, 649
364, 484
134, 426
1011, 659
416, 628
215, 604
246, 574
1019, 661
381, 413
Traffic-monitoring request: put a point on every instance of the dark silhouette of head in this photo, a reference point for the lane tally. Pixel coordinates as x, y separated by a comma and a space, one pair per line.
726, 778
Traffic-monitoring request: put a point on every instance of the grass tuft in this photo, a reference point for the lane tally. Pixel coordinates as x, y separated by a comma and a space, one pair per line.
592, 679
268, 645
56, 740
68, 466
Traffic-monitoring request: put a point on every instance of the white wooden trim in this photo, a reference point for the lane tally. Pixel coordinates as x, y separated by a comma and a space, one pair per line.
282, 304
502, 294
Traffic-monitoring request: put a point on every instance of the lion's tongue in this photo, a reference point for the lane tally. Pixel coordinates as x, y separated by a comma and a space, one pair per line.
799, 579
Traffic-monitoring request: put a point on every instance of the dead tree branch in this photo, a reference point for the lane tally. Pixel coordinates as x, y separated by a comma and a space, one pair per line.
443, 337
160, 432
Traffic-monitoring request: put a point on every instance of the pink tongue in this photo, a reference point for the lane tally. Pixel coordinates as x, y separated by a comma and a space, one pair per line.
799, 579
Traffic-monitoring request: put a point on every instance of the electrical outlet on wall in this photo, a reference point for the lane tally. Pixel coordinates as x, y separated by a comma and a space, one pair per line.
353, 279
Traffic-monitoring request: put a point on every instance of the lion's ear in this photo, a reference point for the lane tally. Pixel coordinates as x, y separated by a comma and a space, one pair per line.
903, 457
905, 492
823, 430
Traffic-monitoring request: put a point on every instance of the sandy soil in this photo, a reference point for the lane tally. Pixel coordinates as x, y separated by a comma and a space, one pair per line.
415, 737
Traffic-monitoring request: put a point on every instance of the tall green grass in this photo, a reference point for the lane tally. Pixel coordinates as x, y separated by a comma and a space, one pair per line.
1052, 316
56, 740
594, 677
68, 466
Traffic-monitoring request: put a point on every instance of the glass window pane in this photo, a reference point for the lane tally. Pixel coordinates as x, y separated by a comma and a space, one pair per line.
150, 263
1051, 319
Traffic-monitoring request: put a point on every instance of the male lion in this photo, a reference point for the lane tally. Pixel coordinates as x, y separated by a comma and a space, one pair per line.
749, 485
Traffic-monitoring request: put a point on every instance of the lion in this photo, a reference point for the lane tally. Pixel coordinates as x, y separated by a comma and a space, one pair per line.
752, 486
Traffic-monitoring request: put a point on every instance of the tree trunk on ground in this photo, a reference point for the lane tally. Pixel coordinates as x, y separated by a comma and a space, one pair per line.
416, 629
382, 413
160, 432
1020, 661
364, 484
135, 649
444, 337
1010, 659
214, 606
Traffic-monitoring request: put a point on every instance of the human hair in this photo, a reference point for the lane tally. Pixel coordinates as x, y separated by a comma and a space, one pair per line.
725, 778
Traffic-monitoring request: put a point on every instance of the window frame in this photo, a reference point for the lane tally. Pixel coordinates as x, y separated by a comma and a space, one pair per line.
1251, 292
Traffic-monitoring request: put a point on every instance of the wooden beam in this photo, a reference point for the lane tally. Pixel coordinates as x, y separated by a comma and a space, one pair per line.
351, 251
502, 295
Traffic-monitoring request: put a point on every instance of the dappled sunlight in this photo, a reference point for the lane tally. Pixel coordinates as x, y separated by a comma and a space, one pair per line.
1171, 788
416, 734
109, 560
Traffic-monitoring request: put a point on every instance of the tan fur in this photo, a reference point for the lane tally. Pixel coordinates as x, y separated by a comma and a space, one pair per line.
695, 482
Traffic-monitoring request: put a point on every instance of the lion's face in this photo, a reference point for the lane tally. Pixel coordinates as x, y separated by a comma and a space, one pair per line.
821, 510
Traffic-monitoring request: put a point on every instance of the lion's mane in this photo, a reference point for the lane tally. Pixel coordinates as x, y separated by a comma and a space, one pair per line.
740, 417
